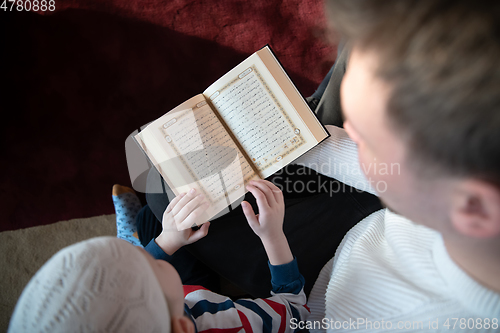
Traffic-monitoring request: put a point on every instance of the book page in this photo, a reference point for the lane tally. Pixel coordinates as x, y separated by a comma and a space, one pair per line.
191, 148
257, 119
293, 95
260, 116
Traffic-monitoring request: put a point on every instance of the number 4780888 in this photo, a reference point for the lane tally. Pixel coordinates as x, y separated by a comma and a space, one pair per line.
28, 5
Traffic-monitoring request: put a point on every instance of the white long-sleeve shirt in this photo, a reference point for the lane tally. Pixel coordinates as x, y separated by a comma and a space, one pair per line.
390, 274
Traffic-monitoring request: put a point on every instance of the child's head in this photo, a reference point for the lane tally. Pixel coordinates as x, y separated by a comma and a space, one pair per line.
103, 284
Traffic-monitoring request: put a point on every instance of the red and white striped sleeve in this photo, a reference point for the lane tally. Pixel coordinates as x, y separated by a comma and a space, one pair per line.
216, 313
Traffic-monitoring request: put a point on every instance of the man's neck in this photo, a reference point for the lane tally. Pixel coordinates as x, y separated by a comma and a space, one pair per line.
479, 262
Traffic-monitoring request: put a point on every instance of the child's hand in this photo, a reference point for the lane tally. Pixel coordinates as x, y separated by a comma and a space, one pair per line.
184, 211
268, 224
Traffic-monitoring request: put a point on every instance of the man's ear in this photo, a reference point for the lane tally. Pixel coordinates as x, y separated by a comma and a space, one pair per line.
182, 325
475, 210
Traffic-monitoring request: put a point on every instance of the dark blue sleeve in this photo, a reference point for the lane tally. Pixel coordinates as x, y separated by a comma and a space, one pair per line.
153, 249
286, 278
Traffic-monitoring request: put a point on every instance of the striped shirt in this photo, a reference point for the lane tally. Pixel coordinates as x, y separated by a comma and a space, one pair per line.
215, 313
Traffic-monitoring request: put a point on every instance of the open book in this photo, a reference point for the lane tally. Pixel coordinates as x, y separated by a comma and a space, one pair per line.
249, 124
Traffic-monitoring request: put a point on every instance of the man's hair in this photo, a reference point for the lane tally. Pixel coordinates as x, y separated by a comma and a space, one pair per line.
442, 60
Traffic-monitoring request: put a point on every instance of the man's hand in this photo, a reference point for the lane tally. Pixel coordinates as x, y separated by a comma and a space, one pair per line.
184, 211
268, 224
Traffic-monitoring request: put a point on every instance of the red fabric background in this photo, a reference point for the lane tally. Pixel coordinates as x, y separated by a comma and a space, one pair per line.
78, 81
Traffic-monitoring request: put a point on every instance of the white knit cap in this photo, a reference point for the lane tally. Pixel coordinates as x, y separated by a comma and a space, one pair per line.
103, 284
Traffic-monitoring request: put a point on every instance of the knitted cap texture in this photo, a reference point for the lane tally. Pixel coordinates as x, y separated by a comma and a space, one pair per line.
103, 284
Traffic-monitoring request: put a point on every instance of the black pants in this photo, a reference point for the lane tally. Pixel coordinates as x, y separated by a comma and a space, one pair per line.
315, 223
191, 270
316, 220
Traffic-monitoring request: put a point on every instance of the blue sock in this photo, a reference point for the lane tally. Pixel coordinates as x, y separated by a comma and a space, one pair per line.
127, 205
